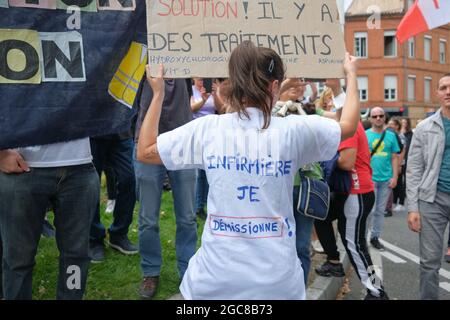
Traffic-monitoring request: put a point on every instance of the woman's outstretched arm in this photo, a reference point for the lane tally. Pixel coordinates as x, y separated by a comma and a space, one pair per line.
147, 151
351, 111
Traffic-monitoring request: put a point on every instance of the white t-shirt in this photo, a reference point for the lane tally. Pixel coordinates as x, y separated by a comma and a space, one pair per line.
61, 154
207, 109
248, 244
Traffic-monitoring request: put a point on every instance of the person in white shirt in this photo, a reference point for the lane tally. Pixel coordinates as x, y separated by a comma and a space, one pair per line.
248, 244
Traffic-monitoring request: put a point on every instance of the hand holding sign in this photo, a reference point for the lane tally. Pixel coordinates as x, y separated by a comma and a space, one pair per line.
350, 64
156, 83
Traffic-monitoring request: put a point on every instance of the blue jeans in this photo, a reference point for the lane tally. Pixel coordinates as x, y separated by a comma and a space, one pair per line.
73, 193
303, 230
118, 155
150, 181
382, 192
201, 190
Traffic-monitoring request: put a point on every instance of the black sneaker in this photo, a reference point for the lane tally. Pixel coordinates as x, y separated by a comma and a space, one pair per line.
97, 252
148, 287
329, 269
122, 244
166, 185
201, 214
383, 296
388, 214
376, 244
47, 229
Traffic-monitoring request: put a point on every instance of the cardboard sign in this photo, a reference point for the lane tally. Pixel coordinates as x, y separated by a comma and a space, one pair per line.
196, 37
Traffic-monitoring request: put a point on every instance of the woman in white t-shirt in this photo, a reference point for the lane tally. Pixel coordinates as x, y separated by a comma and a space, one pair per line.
248, 243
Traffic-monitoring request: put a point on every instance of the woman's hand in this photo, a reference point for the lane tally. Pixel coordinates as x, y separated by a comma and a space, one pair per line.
204, 94
350, 64
290, 83
156, 83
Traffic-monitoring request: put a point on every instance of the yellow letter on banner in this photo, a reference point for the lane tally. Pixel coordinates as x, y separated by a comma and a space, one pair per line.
19, 56
125, 83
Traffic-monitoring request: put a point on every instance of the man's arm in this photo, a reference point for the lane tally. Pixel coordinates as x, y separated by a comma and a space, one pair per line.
394, 163
12, 162
314, 90
414, 174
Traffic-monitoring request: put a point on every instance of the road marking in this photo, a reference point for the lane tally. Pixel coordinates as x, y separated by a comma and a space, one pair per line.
412, 257
392, 257
445, 286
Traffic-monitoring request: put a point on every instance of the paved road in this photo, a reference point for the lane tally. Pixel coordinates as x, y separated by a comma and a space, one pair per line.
401, 264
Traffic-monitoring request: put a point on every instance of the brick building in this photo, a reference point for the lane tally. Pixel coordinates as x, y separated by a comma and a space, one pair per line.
400, 78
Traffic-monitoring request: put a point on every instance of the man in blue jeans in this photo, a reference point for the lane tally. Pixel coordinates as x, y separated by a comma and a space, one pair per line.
63, 175
115, 151
176, 112
384, 163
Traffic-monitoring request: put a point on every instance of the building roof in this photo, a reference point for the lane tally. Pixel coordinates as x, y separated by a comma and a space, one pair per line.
387, 7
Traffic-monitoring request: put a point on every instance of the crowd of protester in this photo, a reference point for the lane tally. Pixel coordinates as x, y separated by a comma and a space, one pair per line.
64, 177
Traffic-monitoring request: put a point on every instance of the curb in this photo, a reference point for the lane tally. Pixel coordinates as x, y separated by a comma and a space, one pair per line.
327, 288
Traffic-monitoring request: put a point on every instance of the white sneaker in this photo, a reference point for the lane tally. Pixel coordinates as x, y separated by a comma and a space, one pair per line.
110, 204
399, 207
317, 247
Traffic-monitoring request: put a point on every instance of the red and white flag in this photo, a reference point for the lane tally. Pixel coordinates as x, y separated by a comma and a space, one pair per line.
424, 15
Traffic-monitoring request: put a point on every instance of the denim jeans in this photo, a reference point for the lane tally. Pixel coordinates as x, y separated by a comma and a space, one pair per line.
382, 192
150, 180
201, 190
303, 230
73, 192
117, 154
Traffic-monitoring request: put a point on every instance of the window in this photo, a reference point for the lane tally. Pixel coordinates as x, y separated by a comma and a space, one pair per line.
390, 88
411, 48
427, 89
361, 44
363, 87
390, 44
442, 51
427, 48
411, 88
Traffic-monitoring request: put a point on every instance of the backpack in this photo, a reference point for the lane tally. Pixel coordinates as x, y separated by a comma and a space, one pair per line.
338, 180
314, 193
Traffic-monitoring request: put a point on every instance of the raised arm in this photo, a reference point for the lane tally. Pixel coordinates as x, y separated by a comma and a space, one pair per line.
351, 110
147, 151
314, 90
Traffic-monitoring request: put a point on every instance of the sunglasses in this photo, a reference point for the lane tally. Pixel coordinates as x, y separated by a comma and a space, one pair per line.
381, 116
